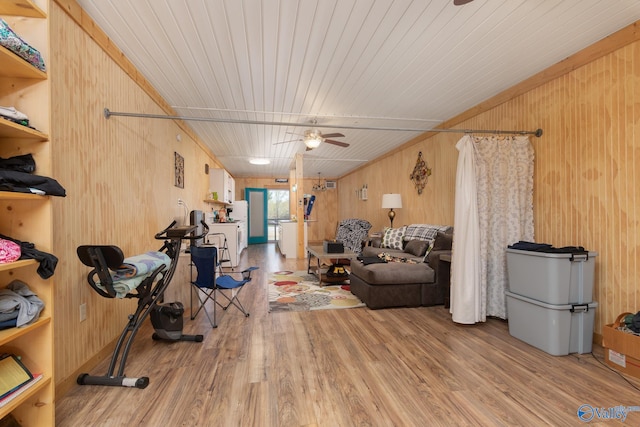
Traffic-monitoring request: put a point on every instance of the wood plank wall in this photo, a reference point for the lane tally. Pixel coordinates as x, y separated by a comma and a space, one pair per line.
119, 177
586, 183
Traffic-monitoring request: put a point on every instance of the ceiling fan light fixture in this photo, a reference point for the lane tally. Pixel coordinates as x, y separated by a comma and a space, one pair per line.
319, 186
312, 141
259, 161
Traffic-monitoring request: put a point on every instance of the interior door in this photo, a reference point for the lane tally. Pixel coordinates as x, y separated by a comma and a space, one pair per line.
257, 218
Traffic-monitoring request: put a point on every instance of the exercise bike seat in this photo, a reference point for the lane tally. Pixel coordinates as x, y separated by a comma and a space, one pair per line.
112, 255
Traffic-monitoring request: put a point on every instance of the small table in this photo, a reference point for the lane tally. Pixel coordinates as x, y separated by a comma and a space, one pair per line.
319, 253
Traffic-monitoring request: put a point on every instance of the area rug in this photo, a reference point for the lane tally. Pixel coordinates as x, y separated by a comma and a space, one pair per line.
299, 291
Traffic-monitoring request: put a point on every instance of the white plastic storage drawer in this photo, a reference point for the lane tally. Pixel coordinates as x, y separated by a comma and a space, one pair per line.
554, 278
556, 329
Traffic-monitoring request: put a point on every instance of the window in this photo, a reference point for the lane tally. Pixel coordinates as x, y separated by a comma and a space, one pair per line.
277, 210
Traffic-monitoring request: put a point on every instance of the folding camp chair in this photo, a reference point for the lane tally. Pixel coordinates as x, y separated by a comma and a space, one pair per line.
211, 281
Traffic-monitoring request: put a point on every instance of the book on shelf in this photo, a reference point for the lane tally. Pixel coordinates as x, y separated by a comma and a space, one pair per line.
13, 375
17, 392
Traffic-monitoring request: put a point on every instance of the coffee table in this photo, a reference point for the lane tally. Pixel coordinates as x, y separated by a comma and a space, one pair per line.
319, 253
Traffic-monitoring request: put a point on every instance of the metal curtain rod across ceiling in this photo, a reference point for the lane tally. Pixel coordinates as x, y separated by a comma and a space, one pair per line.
108, 113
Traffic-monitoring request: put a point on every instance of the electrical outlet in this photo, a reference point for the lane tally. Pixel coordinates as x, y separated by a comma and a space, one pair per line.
83, 312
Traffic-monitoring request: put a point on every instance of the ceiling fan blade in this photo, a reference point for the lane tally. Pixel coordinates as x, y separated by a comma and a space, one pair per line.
332, 135
461, 2
338, 143
308, 149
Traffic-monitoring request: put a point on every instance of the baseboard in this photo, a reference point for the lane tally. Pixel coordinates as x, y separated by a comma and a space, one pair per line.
64, 386
597, 339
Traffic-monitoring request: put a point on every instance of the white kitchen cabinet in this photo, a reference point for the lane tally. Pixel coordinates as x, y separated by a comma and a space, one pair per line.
288, 238
222, 183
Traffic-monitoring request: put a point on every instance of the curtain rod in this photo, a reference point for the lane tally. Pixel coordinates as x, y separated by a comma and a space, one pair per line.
108, 113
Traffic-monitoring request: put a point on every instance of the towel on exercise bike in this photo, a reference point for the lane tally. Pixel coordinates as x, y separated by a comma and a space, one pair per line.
135, 269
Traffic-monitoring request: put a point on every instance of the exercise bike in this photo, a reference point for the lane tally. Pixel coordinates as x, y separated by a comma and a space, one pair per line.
144, 277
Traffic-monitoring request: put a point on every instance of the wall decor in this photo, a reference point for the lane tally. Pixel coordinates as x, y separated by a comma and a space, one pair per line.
179, 167
420, 174
363, 193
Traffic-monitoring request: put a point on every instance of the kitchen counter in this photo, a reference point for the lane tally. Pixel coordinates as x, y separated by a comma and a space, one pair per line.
288, 238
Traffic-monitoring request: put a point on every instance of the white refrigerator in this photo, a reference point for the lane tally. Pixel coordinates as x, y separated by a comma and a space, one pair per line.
240, 210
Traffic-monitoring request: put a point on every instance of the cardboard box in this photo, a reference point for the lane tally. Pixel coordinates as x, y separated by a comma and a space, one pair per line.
621, 349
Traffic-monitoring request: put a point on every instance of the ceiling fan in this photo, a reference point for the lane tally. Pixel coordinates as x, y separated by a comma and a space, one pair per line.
312, 138
461, 2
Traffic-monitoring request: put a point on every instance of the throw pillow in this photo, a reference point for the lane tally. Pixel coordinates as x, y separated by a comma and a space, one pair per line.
392, 238
424, 231
443, 242
417, 247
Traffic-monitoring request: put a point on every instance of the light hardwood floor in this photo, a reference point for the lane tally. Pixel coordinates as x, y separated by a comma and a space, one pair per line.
394, 367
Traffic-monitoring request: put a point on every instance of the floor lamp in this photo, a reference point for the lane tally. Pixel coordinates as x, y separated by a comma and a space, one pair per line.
391, 202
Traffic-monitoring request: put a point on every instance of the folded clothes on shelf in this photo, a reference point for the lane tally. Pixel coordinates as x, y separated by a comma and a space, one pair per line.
48, 262
13, 42
12, 113
21, 163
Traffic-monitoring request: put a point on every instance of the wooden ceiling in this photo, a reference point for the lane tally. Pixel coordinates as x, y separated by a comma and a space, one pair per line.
378, 71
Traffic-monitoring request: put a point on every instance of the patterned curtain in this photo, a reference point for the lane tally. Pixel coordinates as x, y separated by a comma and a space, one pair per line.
503, 170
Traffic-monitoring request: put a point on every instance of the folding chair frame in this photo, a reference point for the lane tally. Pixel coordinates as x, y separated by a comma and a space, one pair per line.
218, 283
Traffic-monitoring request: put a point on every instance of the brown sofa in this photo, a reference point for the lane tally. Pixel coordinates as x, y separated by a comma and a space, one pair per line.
398, 283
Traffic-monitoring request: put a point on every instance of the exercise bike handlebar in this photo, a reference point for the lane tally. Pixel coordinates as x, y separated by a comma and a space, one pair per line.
162, 234
182, 232
205, 231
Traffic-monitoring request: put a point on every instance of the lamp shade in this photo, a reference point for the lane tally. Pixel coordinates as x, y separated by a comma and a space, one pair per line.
391, 201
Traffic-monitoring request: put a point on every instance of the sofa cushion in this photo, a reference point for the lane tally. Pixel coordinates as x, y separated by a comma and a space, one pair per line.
417, 247
392, 238
370, 251
374, 251
424, 231
443, 242
393, 273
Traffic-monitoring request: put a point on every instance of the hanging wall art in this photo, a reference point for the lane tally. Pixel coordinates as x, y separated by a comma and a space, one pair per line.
420, 174
179, 166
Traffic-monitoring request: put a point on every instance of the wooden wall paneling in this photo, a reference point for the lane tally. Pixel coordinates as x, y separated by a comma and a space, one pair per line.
434, 205
119, 176
632, 129
586, 176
